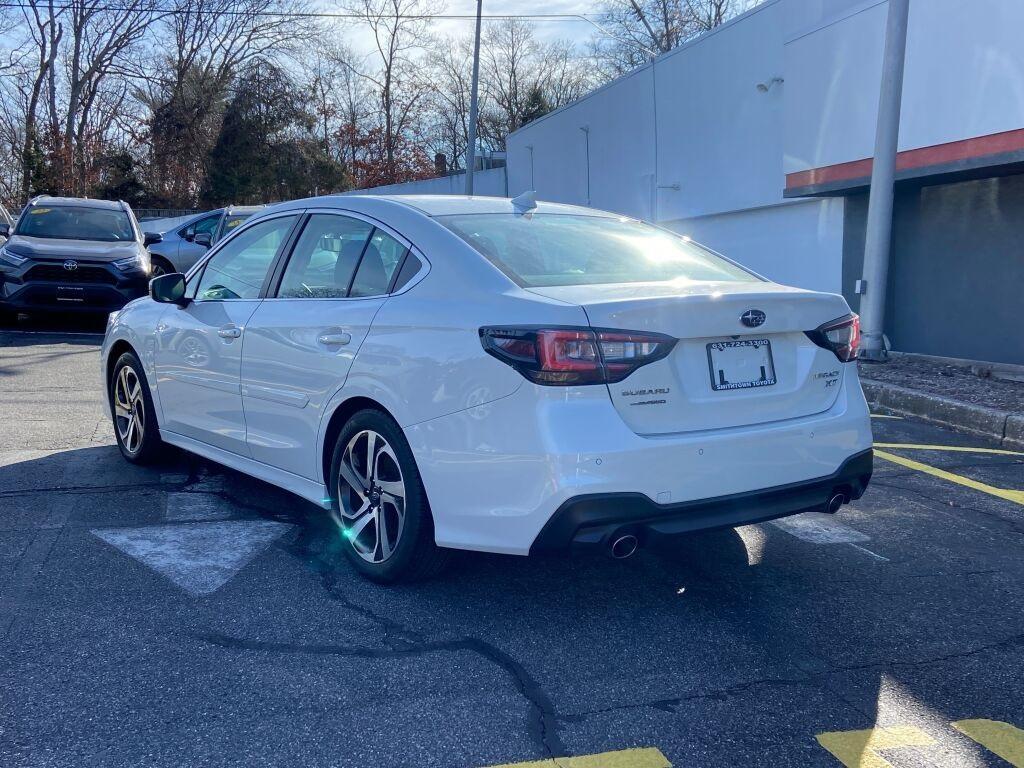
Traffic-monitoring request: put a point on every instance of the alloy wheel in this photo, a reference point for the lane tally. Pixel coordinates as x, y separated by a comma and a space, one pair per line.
371, 491
129, 409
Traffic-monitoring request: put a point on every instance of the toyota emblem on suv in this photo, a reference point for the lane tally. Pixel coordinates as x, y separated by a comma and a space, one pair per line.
752, 318
70, 265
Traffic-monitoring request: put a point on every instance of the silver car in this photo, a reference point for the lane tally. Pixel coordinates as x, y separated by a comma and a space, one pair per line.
183, 245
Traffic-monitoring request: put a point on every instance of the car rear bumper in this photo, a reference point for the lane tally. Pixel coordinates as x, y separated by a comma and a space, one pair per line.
597, 520
497, 473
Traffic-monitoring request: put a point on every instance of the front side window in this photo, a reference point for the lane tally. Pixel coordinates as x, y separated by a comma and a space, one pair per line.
537, 250
325, 258
72, 222
237, 270
382, 257
207, 226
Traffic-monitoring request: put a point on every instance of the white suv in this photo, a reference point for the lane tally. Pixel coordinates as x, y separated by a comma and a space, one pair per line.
495, 375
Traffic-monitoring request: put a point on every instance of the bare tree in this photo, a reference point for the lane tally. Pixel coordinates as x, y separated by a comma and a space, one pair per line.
399, 34
638, 30
101, 40
451, 65
523, 79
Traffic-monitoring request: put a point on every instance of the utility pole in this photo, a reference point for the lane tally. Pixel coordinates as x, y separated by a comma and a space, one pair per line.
877, 243
471, 148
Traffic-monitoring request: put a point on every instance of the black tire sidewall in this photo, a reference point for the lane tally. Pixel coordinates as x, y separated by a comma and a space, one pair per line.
151, 432
418, 529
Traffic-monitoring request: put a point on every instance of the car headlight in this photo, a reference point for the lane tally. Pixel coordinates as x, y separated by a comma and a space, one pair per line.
133, 264
10, 258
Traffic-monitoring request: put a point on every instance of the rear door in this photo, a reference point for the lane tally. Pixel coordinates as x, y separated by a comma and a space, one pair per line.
301, 341
742, 358
198, 351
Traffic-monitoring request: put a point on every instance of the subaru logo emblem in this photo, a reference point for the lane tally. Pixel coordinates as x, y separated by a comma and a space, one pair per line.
70, 265
752, 318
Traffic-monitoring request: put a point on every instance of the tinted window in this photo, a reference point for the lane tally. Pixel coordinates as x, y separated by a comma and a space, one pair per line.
237, 270
207, 225
324, 258
233, 222
410, 267
70, 222
559, 249
381, 258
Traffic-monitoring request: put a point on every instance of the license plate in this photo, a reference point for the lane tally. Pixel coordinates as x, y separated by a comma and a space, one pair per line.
70, 293
741, 364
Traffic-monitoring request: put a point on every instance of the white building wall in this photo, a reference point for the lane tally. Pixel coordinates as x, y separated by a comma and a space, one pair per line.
489, 183
964, 77
690, 142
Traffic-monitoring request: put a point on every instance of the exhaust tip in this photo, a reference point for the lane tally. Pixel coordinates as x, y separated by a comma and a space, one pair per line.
624, 546
834, 503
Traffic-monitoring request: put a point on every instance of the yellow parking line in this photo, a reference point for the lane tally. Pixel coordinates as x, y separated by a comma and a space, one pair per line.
1002, 493
646, 757
961, 448
859, 749
1003, 739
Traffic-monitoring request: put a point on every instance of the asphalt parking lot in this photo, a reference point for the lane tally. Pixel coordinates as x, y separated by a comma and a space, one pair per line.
187, 615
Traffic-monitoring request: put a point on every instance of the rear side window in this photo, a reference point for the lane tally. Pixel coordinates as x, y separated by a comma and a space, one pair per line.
536, 250
380, 262
325, 258
410, 267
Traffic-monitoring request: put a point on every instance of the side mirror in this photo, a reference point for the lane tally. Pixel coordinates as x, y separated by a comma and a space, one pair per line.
203, 238
168, 289
5, 230
151, 238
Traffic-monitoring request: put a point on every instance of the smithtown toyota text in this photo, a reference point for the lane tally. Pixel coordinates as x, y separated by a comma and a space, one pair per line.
495, 375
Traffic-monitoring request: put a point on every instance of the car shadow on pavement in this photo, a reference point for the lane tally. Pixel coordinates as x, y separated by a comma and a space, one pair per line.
789, 638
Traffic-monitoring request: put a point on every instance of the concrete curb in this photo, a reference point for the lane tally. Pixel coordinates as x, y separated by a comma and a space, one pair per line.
1006, 427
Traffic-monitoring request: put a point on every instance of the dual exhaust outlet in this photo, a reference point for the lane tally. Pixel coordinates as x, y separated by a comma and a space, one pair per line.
624, 545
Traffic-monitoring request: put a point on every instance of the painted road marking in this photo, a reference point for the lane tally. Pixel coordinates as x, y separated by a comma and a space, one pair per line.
885, 416
960, 448
198, 557
1002, 493
196, 506
1001, 739
859, 749
646, 757
869, 552
819, 528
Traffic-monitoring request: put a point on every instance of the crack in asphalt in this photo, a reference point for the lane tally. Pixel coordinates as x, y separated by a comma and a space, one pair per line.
541, 725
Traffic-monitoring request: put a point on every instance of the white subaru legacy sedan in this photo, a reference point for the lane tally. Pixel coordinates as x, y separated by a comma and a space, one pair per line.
494, 375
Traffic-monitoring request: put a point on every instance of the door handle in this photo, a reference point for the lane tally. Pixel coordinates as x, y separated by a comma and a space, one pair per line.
334, 339
229, 332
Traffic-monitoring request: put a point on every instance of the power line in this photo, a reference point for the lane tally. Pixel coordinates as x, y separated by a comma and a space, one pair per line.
554, 17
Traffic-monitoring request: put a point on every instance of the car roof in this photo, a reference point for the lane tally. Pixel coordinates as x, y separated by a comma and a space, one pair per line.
250, 209
81, 202
447, 205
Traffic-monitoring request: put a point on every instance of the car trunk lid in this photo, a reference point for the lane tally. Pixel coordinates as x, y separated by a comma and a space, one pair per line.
722, 373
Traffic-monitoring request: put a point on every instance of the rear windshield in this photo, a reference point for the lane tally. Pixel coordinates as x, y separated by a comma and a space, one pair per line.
537, 250
70, 222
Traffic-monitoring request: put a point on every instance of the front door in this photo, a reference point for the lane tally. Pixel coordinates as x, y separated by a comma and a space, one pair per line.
301, 342
199, 347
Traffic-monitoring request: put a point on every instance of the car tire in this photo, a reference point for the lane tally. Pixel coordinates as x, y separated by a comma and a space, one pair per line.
159, 266
396, 496
131, 408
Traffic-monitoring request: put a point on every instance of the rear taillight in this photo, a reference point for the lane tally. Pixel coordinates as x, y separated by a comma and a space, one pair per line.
571, 356
841, 336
